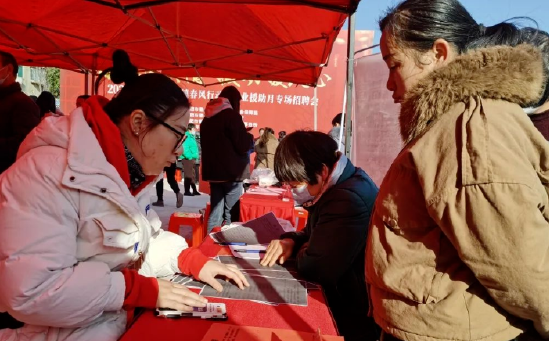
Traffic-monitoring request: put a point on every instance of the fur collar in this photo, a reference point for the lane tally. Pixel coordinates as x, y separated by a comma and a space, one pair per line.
512, 74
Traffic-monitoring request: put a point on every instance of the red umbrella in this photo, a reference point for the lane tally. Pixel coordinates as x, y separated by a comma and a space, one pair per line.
256, 39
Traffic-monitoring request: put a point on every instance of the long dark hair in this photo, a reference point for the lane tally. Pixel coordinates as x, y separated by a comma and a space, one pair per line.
233, 95
266, 136
153, 93
417, 24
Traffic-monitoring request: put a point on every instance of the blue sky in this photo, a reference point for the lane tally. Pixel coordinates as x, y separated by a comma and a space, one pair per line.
486, 12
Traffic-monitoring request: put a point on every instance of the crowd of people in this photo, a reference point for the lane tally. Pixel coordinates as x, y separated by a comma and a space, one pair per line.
452, 246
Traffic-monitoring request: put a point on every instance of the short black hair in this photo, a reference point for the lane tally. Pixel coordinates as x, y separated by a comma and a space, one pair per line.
191, 126
337, 119
7, 59
84, 97
46, 103
301, 155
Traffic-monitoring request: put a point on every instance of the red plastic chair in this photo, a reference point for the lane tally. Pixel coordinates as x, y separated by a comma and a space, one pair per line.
195, 220
301, 218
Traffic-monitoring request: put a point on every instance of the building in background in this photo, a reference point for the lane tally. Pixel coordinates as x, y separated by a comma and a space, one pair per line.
32, 79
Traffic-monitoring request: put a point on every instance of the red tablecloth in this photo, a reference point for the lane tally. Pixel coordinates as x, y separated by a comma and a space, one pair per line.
259, 201
245, 313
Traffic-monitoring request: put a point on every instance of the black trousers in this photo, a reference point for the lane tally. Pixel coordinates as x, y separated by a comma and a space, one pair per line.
171, 177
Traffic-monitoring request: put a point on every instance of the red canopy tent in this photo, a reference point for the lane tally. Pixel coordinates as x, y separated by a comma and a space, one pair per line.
251, 39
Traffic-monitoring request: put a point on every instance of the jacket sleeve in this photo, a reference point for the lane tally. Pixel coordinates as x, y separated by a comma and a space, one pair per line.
24, 118
42, 281
162, 255
336, 240
299, 238
237, 133
501, 234
194, 150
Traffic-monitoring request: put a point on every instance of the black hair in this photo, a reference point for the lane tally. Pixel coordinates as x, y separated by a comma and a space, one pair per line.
301, 155
282, 134
233, 95
46, 103
337, 119
510, 35
191, 126
84, 97
417, 24
153, 93
9, 59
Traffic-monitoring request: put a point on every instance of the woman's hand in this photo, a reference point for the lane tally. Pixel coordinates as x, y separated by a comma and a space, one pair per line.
178, 297
278, 250
214, 268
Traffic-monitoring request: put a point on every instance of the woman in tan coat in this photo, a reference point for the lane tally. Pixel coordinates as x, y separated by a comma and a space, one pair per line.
265, 149
458, 240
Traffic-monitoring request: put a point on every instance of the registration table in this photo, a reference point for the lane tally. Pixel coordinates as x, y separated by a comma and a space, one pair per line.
258, 201
243, 313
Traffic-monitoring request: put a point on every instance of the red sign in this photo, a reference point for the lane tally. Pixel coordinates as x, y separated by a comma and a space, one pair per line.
279, 105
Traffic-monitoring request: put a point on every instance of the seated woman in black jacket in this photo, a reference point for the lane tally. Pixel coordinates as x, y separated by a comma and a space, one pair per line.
331, 249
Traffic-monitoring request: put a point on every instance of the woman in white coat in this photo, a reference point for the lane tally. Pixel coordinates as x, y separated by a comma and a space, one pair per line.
80, 247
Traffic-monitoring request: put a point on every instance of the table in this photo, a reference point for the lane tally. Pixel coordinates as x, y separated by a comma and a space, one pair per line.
259, 201
244, 313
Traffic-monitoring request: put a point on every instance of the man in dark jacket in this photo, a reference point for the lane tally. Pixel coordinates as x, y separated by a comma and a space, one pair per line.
18, 112
224, 145
330, 251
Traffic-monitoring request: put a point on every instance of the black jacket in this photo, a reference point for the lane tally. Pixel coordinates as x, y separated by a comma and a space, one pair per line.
331, 251
18, 116
224, 147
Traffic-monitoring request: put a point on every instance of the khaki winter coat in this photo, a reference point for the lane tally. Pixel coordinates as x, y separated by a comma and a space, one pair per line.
265, 156
458, 246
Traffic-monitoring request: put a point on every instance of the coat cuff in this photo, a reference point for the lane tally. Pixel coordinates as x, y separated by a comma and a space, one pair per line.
140, 291
191, 261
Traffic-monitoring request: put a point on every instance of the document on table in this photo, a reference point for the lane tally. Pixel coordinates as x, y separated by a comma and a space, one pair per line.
227, 332
263, 289
188, 281
248, 251
244, 264
261, 230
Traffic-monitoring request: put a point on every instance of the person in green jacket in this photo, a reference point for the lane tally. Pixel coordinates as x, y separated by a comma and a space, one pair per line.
189, 157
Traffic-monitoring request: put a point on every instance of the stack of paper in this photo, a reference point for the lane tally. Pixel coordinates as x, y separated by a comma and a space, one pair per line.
248, 251
261, 230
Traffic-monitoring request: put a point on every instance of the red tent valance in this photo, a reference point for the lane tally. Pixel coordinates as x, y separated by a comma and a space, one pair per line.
264, 39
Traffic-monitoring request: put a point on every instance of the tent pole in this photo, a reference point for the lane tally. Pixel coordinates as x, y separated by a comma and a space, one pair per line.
349, 82
94, 72
86, 91
315, 109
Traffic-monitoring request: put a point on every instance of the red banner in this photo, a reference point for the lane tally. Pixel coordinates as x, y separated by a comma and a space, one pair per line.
279, 105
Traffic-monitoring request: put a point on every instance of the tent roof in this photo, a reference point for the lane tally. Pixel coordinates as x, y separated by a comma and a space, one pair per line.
201, 39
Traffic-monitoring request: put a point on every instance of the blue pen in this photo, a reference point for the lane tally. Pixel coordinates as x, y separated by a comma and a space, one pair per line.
237, 244
250, 251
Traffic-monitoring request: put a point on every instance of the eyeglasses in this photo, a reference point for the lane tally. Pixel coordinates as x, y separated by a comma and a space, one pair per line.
181, 136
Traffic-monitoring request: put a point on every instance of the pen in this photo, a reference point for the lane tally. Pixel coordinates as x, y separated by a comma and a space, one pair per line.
238, 244
250, 251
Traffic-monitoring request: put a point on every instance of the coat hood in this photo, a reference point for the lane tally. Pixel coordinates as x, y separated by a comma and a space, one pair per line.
52, 131
216, 106
512, 74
